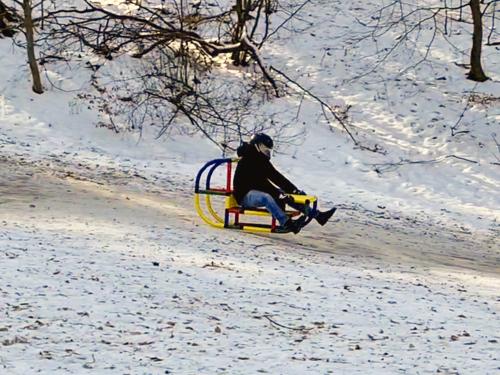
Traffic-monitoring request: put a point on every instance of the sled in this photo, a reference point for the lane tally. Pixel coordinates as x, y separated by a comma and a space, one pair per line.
220, 209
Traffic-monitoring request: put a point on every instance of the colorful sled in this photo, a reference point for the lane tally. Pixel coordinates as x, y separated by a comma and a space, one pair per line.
230, 214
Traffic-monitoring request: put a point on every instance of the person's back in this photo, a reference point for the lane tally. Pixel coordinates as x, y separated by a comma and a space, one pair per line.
255, 172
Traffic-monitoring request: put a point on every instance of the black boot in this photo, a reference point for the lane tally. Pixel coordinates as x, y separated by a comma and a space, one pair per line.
323, 217
294, 225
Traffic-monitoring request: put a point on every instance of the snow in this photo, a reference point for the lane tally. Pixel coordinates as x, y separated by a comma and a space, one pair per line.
117, 281
106, 268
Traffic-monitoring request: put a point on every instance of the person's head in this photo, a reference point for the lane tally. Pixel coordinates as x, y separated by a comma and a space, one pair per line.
263, 143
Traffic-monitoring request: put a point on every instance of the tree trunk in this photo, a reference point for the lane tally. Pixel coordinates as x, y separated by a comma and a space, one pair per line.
243, 9
30, 47
476, 72
238, 30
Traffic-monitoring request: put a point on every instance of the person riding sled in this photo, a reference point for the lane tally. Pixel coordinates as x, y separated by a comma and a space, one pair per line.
258, 184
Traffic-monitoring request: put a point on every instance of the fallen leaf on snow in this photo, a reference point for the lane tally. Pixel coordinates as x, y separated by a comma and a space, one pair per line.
15, 340
46, 354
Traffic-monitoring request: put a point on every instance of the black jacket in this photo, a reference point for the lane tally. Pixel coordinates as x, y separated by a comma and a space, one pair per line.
255, 172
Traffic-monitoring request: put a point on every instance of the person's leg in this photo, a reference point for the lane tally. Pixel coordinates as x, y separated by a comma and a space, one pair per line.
303, 208
256, 198
321, 217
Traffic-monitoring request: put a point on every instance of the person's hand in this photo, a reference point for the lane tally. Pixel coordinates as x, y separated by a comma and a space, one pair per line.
299, 192
285, 198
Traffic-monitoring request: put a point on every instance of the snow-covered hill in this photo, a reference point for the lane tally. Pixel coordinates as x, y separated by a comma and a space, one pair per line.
116, 275
426, 172
106, 268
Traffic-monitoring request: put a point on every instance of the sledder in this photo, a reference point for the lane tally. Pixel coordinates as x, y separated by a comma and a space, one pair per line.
259, 191
258, 184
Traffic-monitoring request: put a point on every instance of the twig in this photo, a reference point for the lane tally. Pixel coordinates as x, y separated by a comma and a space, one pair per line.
460, 158
373, 338
496, 142
292, 15
90, 365
254, 51
454, 127
384, 167
255, 247
287, 327
498, 148
212, 264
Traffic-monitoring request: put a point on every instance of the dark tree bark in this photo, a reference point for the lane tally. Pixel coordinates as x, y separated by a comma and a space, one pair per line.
30, 47
241, 8
476, 72
5, 19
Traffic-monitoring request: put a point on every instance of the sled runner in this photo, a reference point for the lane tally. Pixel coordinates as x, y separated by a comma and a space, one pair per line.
228, 214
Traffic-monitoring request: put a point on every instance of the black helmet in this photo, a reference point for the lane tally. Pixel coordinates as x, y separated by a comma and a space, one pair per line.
261, 138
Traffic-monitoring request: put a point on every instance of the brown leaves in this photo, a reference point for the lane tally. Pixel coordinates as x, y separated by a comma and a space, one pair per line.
15, 340
213, 265
374, 338
34, 326
156, 359
45, 354
22, 306
457, 336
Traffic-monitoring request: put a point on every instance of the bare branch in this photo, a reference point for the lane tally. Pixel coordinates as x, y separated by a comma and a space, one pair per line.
388, 167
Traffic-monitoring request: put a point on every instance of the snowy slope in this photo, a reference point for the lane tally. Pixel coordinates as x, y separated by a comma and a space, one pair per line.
425, 173
106, 268
111, 279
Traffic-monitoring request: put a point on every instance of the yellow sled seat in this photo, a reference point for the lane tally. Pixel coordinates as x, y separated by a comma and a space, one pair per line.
231, 202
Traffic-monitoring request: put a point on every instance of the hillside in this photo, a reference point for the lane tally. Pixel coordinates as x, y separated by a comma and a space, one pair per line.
107, 268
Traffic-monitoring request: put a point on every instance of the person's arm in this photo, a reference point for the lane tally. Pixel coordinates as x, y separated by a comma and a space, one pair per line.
279, 180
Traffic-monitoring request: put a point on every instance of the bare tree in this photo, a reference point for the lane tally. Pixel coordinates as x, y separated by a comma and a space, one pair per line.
147, 28
409, 21
30, 47
180, 46
12, 21
476, 72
